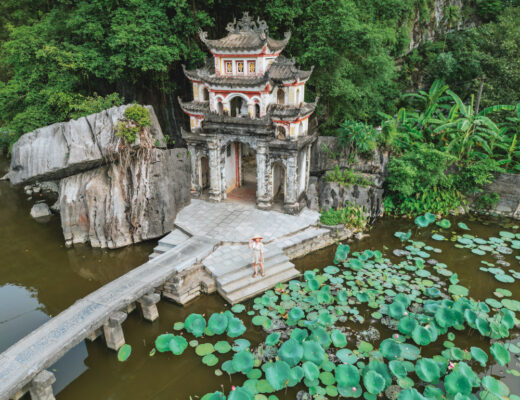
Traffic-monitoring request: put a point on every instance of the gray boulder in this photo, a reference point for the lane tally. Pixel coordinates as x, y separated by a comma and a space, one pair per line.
67, 148
112, 208
40, 211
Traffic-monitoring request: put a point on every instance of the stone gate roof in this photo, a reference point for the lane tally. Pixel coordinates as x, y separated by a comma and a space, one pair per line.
245, 35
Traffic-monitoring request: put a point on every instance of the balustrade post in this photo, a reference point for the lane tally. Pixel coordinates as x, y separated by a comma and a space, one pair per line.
41, 386
149, 306
114, 331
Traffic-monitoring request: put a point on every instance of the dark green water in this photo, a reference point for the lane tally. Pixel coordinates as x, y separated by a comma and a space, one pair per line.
39, 277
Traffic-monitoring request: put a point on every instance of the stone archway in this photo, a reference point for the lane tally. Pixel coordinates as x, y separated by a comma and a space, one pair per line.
240, 171
239, 107
280, 96
278, 184
204, 173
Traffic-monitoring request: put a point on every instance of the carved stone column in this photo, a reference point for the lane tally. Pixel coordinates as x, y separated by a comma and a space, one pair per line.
215, 193
114, 331
41, 386
149, 306
195, 187
262, 198
291, 202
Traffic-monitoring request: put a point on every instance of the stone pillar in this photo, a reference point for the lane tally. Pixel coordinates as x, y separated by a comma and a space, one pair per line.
114, 331
41, 386
215, 193
291, 202
262, 198
195, 187
149, 306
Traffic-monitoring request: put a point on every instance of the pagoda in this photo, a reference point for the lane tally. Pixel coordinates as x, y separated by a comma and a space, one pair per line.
248, 111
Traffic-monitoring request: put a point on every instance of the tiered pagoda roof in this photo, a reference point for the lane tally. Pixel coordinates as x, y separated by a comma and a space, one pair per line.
245, 35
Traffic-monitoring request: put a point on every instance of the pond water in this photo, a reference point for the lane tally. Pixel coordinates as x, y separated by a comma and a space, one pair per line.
39, 277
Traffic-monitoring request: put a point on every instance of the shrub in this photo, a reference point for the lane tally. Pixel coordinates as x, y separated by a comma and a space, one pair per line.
361, 138
351, 215
136, 118
346, 177
486, 201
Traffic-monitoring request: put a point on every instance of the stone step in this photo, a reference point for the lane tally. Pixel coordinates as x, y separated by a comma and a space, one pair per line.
248, 280
259, 287
162, 248
174, 238
243, 261
247, 270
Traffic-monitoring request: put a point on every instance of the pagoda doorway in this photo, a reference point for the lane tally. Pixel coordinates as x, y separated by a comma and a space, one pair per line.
204, 175
241, 172
279, 185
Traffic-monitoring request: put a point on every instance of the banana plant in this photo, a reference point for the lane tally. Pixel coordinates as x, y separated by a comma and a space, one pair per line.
466, 129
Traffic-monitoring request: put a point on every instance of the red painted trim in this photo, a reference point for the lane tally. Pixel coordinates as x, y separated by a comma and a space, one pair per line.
296, 83
198, 116
291, 121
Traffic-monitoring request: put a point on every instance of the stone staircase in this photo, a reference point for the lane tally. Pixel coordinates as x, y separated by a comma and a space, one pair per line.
237, 284
171, 240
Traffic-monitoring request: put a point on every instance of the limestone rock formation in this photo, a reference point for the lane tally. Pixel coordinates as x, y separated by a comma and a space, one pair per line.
327, 153
40, 211
67, 148
112, 208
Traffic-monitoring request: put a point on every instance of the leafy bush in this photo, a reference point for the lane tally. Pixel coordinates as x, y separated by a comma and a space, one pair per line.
136, 118
346, 177
486, 201
360, 137
351, 215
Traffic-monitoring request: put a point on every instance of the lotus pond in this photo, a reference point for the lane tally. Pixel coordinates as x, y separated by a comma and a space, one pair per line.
424, 310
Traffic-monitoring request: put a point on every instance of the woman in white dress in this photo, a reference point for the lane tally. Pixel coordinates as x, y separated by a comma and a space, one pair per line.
256, 244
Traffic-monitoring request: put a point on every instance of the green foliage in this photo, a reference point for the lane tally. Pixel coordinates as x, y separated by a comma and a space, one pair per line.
136, 119
359, 137
351, 215
486, 201
346, 177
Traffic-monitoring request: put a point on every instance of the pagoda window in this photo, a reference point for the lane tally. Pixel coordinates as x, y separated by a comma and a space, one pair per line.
257, 110
229, 67
298, 96
238, 107
205, 94
240, 67
300, 129
220, 108
280, 132
251, 67
280, 96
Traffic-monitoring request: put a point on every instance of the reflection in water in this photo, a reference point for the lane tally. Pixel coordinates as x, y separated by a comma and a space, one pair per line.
40, 277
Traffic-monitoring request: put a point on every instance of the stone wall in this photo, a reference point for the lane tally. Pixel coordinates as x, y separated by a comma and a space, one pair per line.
110, 207
327, 153
508, 187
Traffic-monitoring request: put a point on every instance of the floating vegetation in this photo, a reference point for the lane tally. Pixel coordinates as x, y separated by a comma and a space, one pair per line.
124, 352
311, 342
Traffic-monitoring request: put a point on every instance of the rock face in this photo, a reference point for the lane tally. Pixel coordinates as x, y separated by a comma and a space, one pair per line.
67, 148
327, 153
508, 187
112, 208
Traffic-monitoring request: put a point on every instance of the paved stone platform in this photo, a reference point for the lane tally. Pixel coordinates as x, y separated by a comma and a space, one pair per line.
238, 222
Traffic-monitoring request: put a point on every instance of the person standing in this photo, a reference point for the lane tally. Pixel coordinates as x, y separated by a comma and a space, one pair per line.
256, 244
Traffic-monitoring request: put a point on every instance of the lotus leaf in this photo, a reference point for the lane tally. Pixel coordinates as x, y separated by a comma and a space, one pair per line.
313, 284
438, 237
403, 236
177, 345
422, 221
479, 355
240, 393
458, 290
500, 353
195, 324
347, 375
178, 326
321, 336
235, 327
327, 378
243, 361
218, 323
398, 368
504, 278
210, 360
240, 344
495, 386
390, 349
296, 313
356, 264
409, 351
338, 338
494, 303
342, 252
310, 370
444, 223
312, 351
204, 349
214, 396
483, 326
410, 394
396, 310
278, 374
365, 347
162, 343
295, 376
374, 382
299, 334
346, 356
291, 352
427, 370
238, 308
222, 347
462, 225
421, 336
124, 352
407, 325
273, 339
513, 305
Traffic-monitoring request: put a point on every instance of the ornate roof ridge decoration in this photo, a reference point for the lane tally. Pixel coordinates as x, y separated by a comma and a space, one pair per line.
195, 107
245, 34
284, 69
292, 111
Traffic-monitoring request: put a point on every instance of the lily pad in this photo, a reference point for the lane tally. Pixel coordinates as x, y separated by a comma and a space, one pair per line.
500, 353
222, 347
243, 361
124, 352
177, 345
462, 225
444, 223
195, 324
